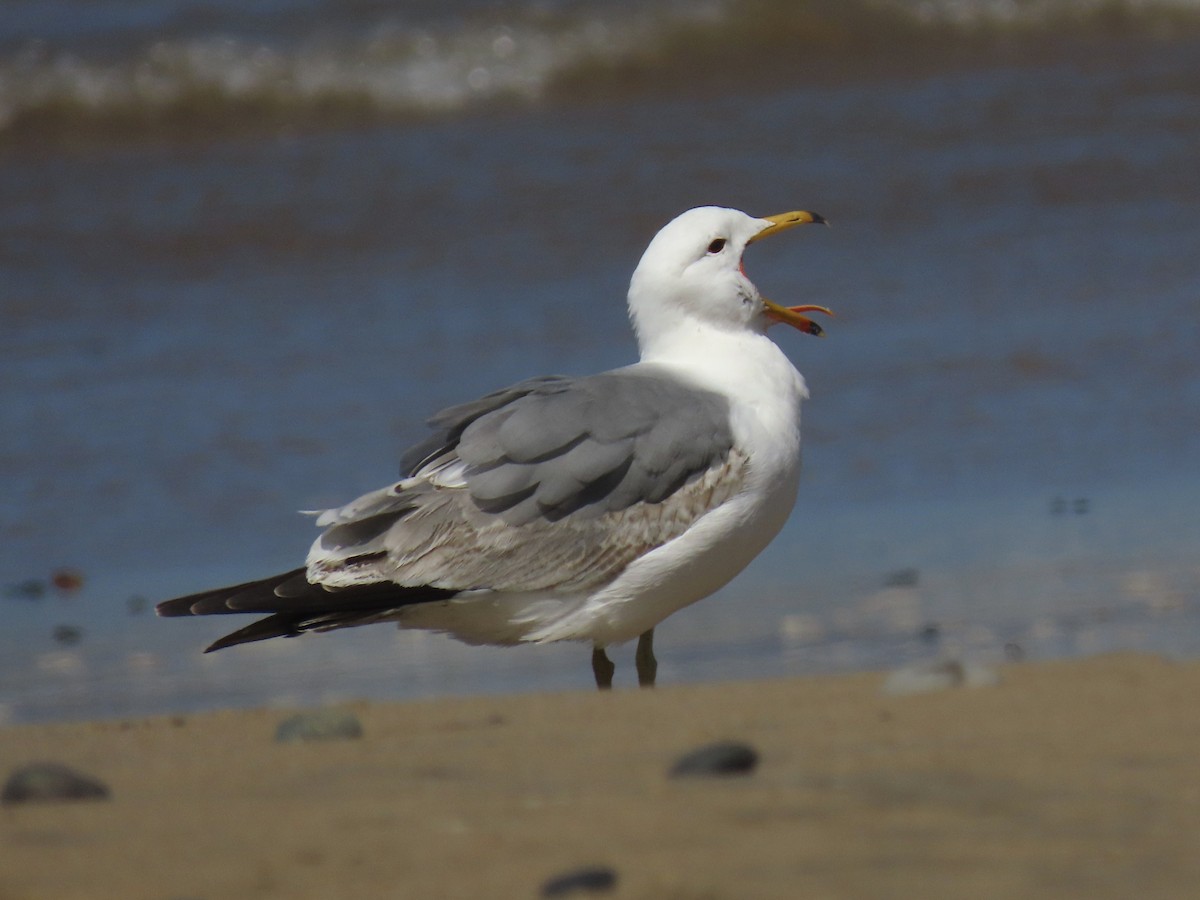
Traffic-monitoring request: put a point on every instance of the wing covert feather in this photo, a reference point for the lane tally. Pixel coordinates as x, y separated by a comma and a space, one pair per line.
563, 483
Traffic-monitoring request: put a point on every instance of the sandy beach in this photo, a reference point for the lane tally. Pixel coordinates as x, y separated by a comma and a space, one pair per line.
1066, 779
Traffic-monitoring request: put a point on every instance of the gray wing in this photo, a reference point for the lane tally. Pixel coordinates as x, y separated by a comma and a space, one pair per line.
554, 483
450, 423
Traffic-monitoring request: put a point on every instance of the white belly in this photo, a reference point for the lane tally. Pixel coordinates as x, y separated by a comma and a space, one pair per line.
679, 573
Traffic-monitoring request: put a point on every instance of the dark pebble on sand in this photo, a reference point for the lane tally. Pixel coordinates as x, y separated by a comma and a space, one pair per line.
724, 758
589, 880
319, 725
38, 782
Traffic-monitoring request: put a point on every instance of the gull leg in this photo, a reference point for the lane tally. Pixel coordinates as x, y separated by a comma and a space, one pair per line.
647, 665
602, 668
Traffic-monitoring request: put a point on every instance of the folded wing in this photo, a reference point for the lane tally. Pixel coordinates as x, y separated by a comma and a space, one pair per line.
553, 484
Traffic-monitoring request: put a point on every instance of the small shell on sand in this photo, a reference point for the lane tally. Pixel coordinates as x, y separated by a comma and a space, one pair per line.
938, 676
319, 725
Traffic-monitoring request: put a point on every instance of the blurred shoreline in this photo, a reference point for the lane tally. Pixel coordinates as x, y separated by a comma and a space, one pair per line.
186, 74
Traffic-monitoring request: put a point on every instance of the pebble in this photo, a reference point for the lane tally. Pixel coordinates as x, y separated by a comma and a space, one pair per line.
319, 725
44, 781
723, 758
30, 589
905, 578
942, 675
67, 635
67, 580
589, 880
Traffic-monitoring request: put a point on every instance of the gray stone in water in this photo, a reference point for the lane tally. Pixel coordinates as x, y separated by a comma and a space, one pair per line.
48, 781
938, 676
67, 635
319, 725
723, 758
902, 578
591, 880
30, 589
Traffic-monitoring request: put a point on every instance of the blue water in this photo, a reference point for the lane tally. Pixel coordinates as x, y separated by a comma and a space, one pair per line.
203, 330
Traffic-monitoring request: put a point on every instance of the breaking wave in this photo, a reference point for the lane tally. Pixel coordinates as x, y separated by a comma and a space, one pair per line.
390, 69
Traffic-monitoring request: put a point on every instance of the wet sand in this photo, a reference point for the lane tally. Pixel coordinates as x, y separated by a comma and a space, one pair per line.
1067, 779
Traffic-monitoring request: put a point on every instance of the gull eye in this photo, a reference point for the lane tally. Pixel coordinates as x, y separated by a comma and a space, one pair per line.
717, 245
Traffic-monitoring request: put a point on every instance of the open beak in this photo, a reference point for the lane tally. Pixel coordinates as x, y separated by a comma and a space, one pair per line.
784, 221
792, 315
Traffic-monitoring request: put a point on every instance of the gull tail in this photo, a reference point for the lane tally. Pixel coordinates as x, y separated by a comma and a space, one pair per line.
297, 606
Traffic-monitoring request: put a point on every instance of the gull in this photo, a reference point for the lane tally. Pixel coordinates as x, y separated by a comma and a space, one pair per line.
577, 508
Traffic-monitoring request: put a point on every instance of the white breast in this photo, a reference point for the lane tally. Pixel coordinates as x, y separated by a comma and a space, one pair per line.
765, 392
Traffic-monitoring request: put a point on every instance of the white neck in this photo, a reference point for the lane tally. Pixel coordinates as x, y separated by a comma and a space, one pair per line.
747, 366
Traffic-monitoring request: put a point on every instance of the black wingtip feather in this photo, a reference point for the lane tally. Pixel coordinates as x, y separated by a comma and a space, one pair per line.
278, 625
296, 605
250, 596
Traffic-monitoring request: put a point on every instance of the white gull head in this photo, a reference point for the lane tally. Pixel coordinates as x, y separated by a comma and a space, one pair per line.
692, 276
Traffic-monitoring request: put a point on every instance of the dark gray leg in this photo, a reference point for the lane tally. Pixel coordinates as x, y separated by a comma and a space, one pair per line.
647, 665
602, 668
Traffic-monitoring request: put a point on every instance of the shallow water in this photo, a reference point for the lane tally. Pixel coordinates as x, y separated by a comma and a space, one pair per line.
213, 316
